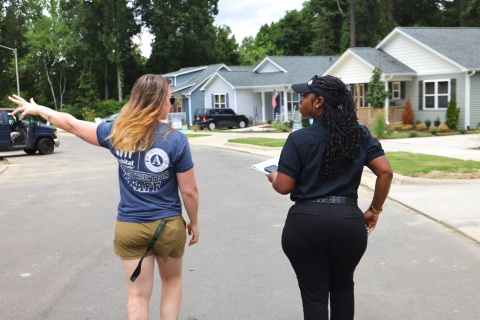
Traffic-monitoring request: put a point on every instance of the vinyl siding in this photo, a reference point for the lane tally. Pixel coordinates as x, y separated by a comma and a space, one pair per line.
475, 101
422, 115
185, 77
353, 70
423, 61
267, 68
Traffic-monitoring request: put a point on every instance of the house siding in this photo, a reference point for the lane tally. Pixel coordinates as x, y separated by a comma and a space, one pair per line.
267, 68
219, 86
475, 101
197, 100
422, 115
412, 54
185, 78
246, 101
352, 71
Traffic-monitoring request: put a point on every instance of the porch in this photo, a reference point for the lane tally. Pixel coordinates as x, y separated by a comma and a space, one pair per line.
367, 114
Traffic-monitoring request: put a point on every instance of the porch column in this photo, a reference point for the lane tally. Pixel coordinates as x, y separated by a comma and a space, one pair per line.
387, 103
263, 106
285, 106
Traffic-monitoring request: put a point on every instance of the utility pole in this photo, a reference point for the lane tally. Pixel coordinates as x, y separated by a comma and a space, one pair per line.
16, 67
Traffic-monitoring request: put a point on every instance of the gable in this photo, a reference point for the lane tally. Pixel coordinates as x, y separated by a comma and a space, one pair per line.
417, 56
351, 70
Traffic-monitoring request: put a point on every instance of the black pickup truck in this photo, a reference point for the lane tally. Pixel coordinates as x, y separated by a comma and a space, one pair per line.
26, 134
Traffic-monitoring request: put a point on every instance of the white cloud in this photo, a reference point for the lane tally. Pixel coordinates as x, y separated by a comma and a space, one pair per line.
244, 17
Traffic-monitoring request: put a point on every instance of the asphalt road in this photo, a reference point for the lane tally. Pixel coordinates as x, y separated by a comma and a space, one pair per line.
57, 216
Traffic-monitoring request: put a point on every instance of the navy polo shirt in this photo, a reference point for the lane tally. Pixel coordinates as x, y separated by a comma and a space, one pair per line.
302, 156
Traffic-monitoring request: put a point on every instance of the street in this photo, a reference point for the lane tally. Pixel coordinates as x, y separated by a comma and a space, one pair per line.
57, 217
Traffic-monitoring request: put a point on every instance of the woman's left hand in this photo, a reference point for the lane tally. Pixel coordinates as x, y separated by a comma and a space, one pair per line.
370, 219
24, 107
271, 176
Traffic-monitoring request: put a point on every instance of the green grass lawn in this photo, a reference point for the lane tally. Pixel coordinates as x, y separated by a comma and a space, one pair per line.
404, 163
264, 142
193, 135
412, 164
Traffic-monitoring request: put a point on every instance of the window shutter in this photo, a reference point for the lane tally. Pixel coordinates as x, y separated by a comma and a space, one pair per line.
453, 88
402, 90
226, 98
420, 95
390, 89
213, 98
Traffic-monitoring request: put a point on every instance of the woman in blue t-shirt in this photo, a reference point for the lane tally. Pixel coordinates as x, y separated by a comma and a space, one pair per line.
154, 164
320, 166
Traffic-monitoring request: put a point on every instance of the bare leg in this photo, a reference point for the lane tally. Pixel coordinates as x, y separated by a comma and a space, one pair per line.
140, 291
171, 275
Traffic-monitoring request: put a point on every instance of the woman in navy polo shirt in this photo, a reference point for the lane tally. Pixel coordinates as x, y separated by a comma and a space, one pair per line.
325, 233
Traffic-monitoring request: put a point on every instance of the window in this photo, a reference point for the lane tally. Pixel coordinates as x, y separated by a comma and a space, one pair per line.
437, 94
396, 90
220, 101
292, 101
353, 90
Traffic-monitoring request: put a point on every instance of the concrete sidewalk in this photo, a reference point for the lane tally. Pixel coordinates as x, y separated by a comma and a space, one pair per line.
452, 202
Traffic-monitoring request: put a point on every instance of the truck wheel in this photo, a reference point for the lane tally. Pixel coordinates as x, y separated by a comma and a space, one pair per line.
45, 146
30, 151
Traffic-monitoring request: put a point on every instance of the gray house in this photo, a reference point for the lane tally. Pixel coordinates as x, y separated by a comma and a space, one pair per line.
246, 89
427, 65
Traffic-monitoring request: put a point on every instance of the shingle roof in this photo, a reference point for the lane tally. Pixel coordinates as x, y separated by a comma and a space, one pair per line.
461, 45
379, 58
192, 84
299, 69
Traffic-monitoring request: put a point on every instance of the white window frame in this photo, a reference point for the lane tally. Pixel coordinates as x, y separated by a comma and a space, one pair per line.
217, 103
293, 99
435, 95
362, 94
396, 90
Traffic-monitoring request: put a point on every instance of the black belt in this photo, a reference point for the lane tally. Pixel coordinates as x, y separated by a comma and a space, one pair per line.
330, 199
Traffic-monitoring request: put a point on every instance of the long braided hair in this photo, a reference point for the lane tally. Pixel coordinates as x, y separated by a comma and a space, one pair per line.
343, 129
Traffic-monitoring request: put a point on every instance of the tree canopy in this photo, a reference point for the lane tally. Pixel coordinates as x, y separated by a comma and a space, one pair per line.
77, 54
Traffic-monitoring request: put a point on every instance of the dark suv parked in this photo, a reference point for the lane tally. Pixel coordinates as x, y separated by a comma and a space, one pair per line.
26, 134
215, 118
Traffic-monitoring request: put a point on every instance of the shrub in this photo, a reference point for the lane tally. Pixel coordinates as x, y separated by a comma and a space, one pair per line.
428, 123
462, 130
412, 134
88, 114
437, 122
269, 121
376, 93
407, 113
434, 131
420, 126
398, 127
443, 128
379, 125
251, 121
452, 116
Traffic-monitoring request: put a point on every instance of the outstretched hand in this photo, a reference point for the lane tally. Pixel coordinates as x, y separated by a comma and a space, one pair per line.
24, 106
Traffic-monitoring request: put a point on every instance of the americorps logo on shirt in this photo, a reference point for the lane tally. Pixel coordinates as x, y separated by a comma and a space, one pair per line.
157, 160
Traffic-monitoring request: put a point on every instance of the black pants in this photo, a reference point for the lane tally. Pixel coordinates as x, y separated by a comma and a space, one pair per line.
324, 243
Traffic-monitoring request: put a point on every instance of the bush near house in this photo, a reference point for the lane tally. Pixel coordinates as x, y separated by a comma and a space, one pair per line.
428, 123
408, 116
452, 116
376, 93
437, 122
443, 128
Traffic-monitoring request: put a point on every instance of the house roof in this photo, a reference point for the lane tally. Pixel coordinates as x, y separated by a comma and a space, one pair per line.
458, 44
183, 71
378, 58
292, 69
189, 86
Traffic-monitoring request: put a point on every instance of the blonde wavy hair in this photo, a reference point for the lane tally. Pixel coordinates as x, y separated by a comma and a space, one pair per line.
135, 127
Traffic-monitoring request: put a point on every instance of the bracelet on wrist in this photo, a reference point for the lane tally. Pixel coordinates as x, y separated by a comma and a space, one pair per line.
375, 211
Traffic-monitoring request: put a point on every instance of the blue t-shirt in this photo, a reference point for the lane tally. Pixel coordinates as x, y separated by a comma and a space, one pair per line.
147, 179
302, 158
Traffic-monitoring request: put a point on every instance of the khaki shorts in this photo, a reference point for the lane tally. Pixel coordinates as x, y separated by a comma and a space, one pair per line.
132, 239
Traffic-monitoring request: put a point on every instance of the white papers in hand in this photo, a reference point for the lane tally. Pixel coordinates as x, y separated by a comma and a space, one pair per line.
262, 165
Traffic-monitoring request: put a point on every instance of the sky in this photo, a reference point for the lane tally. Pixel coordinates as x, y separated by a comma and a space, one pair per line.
244, 17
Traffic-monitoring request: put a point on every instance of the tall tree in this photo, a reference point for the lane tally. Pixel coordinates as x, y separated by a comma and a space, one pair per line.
183, 30
226, 46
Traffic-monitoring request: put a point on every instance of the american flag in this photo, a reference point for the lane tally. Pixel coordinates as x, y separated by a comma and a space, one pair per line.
274, 98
